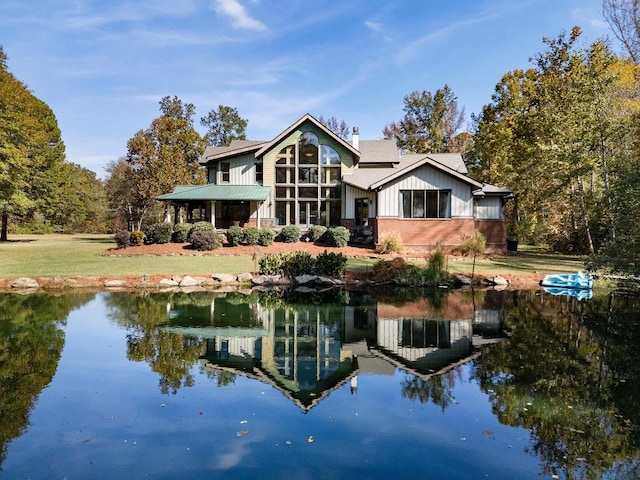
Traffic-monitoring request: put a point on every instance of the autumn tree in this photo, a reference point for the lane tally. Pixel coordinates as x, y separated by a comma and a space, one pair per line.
224, 125
339, 127
431, 123
166, 154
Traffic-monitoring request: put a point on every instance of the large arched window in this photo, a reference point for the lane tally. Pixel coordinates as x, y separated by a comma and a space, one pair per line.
308, 183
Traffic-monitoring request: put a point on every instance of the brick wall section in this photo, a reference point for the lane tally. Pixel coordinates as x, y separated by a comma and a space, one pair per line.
496, 233
421, 234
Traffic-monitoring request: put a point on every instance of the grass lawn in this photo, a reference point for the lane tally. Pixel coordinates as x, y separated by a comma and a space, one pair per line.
70, 255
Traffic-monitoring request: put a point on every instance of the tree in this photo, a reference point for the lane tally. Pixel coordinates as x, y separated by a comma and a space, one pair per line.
623, 17
31, 150
166, 154
430, 124
123, 196
224, 125
339, 127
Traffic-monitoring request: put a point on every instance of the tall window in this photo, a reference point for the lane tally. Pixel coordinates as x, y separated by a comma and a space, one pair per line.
308, 183
425, 203
259, 173
225, 168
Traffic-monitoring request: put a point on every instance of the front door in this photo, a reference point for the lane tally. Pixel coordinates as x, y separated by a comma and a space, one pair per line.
308, 213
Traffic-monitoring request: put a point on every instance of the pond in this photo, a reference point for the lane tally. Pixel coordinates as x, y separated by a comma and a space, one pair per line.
340, 384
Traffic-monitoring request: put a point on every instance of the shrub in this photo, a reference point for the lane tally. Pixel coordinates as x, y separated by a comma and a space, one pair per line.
330, 264
158, 233
337, 236
251, 235
316, 232
180, 232
122, 238
298, 263
289, 234
386, 270
270, 264
199, 227
137, 238
234, 235
474, 244
437, 261
204, 240
266, 236
389, 243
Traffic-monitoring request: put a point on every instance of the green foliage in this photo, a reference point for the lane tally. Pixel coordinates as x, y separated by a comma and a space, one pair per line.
330, 264
266, 236
204, 240
223, 126
234, 235
158, 233
251, 236
474, 244
123, 238
137, 238
316, 232
298, 263
389, 243
289, 234
271, 264
338, 236
180, 232
437, 261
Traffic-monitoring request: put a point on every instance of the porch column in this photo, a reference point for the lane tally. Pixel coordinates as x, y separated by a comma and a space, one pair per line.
258, 205
212, 206
167, 212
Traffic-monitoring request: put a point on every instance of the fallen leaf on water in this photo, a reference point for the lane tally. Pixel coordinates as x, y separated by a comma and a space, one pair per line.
242, 432
487, 432
310, 439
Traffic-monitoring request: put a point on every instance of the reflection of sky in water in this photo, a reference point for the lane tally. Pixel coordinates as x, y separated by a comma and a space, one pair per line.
103, 416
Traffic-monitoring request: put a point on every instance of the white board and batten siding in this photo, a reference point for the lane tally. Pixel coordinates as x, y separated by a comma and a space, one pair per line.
489, 208
351, 193
241, 171
426, 178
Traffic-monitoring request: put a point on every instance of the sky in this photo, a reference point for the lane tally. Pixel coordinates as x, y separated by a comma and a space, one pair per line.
103, 66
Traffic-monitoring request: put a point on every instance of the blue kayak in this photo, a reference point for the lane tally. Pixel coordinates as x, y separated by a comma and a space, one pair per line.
577, 280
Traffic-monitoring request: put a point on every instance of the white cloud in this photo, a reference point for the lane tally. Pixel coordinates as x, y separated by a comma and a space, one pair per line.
238, 14
375, 26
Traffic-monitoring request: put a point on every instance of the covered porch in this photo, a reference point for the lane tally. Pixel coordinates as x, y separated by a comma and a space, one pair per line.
222, 205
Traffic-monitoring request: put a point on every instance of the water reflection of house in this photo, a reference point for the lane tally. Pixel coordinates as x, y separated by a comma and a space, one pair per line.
308, 351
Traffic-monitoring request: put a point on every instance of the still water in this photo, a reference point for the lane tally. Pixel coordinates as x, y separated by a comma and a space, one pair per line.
307, 385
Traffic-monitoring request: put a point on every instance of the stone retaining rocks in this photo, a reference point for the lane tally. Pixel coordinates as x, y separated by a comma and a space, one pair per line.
24, 283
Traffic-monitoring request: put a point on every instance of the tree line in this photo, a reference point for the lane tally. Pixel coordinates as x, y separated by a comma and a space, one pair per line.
562, 135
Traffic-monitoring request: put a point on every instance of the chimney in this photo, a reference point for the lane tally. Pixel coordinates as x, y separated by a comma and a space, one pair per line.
356, 138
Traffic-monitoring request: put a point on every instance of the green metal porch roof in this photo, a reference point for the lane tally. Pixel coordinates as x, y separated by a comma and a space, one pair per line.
216, 192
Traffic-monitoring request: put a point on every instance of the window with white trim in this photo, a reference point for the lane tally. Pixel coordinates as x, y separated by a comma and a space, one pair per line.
425, 203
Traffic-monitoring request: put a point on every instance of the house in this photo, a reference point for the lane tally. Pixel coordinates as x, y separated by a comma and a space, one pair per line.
307, 176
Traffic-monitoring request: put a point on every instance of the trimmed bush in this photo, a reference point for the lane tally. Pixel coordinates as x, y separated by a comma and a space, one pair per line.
251, 235
289, 234
200, 227
266, 236
204, 240
122, 238
437, 261
337, 236
298, 263
234, 235
158, 233
316, 232
137, 238
330, 264
270, 264
387, 270
180, 232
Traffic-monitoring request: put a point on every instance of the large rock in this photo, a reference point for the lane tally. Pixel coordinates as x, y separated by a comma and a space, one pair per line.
245, 277
304, 279
24, 282
168, 282
114, 283
224, 277
188, 281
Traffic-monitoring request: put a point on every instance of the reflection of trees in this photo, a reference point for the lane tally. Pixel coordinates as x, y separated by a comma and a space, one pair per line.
30, 346
438, 388
169, 354
554, 378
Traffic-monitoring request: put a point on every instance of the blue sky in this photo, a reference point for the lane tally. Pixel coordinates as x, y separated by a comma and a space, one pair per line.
103, 66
